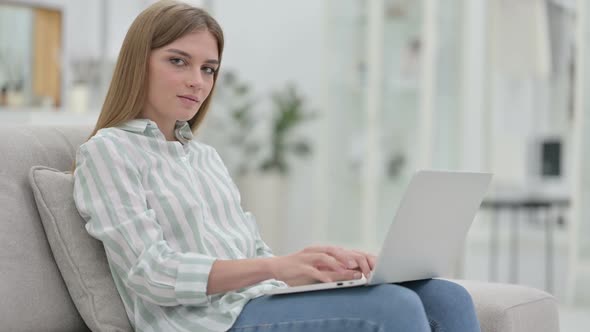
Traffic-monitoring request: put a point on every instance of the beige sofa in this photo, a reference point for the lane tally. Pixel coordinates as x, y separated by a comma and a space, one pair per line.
33, 293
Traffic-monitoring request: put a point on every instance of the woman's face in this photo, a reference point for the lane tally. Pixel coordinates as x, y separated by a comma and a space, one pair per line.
180, 78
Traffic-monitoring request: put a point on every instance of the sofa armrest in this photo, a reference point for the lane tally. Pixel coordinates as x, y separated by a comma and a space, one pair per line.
512, 308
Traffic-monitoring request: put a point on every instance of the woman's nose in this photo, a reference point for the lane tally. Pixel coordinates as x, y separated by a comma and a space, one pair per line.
195, 80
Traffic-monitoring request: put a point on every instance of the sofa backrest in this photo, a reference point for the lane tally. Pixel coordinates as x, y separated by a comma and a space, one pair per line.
33, 296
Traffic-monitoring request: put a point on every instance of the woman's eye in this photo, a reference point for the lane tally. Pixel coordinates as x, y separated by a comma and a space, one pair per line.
177, 62
209, 70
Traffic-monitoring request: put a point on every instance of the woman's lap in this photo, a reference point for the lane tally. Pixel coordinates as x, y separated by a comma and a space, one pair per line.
388, 307
449, 306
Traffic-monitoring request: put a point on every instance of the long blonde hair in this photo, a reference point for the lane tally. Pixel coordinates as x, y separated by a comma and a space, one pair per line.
157, 26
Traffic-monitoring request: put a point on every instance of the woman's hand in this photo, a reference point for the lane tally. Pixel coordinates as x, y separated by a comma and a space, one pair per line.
321, 264
351, 259
308, 267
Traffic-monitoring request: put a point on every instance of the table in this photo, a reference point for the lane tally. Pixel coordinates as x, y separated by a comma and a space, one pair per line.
550, 210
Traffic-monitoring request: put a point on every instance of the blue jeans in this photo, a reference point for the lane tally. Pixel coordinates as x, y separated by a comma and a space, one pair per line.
417, 306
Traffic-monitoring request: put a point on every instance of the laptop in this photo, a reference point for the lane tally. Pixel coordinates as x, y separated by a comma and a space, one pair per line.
427, 234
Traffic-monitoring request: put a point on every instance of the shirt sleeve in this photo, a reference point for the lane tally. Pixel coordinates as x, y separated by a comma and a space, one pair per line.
262, 249
109, 195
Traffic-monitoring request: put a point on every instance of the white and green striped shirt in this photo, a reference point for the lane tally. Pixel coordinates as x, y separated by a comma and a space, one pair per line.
165, 211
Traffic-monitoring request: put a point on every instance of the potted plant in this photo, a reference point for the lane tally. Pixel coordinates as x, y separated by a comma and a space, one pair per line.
265, 188
232, 127
289, 112
251, 141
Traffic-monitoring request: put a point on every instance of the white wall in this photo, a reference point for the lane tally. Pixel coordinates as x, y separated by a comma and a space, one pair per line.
272, 42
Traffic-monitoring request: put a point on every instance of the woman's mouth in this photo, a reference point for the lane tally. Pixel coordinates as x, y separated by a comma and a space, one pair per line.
188, 100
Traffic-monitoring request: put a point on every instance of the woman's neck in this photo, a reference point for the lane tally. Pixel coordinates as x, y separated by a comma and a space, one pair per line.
166, 128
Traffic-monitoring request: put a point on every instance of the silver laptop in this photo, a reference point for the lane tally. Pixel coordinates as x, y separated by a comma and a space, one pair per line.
427, 234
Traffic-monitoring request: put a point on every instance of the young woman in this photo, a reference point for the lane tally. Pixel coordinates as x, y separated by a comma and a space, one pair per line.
183, 254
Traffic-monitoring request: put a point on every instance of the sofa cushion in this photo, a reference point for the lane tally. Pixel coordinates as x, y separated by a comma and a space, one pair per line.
81, 259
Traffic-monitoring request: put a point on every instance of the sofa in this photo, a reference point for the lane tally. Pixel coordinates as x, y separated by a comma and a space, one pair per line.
43, 290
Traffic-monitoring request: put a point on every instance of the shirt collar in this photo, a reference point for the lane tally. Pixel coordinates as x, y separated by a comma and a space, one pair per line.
182, 129
183, 132
137, 125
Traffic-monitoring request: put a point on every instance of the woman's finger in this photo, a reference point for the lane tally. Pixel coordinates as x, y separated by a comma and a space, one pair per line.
343, 256
322, 260
351, 259
362, 263
372, 259
318, 275
345, 275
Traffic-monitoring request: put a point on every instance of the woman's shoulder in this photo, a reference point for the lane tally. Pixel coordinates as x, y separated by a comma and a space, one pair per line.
201, 147
112, 137
209, 153
110, 146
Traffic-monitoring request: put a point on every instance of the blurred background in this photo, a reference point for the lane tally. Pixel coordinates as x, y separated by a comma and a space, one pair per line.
325, 109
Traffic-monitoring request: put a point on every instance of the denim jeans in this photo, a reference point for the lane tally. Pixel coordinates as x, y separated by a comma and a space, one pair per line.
417, 306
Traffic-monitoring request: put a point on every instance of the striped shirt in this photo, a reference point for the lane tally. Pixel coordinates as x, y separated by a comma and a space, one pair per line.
165, 211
